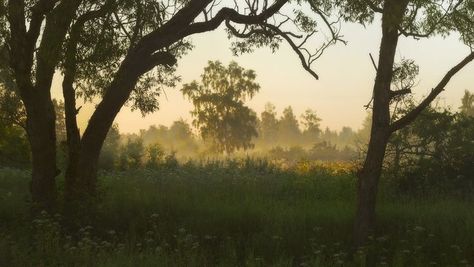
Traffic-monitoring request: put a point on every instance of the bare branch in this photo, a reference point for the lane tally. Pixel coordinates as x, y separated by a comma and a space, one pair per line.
306, 64
401, 92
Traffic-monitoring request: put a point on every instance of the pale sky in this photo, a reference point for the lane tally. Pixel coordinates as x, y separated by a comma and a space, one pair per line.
345, 85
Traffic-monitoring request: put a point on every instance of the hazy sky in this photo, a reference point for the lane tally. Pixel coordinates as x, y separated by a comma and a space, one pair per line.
345, 85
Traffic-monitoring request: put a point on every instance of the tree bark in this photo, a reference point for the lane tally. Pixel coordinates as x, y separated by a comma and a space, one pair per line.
369, 175
35, 93
72, 130
41, 129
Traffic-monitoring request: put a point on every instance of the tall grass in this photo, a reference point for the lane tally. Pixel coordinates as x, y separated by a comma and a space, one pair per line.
234, 213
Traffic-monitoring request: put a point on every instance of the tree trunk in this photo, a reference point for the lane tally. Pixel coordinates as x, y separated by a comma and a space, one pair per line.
117, 94
99, 124
367, 187
41, 128
369, 175
72, 132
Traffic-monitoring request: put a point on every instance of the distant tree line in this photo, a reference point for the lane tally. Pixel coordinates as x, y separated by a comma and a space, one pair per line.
278, 137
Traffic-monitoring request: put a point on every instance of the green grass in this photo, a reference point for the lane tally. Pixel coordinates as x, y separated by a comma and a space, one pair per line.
235, 213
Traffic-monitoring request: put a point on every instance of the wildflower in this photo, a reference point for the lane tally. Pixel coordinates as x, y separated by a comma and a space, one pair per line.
419, 229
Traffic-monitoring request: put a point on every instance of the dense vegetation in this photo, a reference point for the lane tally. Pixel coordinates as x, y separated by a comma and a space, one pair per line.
239, 212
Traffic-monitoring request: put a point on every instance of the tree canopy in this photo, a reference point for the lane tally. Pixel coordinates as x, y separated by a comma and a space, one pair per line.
219, 106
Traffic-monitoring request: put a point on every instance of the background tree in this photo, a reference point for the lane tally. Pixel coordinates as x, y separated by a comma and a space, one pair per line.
110, 150
219, 106
132, 154
268, 127
288, 127
311, 122
181, 138
467, 104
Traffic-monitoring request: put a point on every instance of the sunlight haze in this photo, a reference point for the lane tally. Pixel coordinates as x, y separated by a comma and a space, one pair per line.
346, 77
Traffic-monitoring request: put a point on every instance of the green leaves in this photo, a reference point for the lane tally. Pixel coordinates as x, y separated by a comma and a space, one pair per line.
219, 110
104, 42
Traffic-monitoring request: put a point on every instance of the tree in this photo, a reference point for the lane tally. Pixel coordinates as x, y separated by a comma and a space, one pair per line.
417, 19
434, 154
346, 136
467, 106
181, 138
115, 49
132, 154
14, 147
155, 154
268, 127
311, 122
219, 109
110, 149
288, 127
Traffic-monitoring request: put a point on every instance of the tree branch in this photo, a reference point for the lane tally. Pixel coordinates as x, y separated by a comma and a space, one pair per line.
411, 116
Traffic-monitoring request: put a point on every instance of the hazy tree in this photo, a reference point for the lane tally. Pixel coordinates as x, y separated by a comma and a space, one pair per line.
467, 104
182, 138
268, 127
346, 137
311, 122
363, 134
154, 134
155, 154
132, 154
219, 109
329, 136
288, 128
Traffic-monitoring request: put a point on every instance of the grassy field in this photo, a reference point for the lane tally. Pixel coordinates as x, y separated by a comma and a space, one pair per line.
235, 213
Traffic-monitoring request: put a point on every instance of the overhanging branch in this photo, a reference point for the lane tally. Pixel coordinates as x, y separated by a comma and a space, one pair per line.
411, 116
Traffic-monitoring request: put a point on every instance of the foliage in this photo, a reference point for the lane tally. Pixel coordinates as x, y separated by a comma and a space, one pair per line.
436, 151
231, 213
288, 127
110, 149
467, 104
14, 147
311, 122
132, 154
155, 154
105, 41
323, 151
268, 125
219, 110
179, 137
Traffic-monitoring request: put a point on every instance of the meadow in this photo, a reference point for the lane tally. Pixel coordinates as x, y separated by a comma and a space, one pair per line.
235, 213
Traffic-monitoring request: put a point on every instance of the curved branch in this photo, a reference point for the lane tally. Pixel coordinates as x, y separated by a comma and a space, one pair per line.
411, 116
